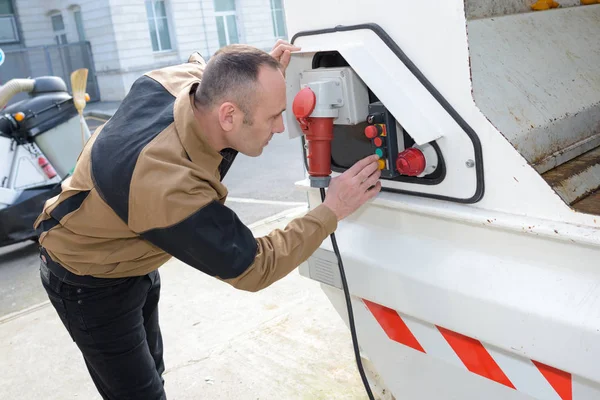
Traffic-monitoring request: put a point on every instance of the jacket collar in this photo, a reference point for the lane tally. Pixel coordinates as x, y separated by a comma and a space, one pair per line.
194, 142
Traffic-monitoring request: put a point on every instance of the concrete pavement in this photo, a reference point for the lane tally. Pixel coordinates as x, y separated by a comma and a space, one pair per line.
285, 342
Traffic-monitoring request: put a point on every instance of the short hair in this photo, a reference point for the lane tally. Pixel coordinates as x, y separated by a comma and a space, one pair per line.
231, 75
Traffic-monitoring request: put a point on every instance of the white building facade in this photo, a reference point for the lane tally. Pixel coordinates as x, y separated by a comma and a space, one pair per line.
130, 37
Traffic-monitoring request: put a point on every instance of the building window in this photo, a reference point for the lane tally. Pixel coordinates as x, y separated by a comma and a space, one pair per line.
159, 26
58, 26
8, 23
278, 16
226, 22
79, 24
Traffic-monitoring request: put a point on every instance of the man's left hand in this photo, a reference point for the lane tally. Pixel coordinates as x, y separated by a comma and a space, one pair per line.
282, 52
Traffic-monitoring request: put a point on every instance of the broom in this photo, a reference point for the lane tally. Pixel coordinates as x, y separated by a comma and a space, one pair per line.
78, 84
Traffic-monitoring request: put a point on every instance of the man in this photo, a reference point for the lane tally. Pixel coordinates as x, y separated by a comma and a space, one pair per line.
148, 187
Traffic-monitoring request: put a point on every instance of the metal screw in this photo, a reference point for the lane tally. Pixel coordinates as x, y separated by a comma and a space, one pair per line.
470, 163
342, 74
337, 84
339, 100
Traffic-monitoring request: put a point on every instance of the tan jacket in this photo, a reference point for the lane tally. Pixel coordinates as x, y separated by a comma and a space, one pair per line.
147, 187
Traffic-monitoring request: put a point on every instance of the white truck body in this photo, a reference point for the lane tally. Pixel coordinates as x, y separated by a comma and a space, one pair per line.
484, 285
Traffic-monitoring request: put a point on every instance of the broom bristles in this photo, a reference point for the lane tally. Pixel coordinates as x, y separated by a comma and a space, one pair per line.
79, 83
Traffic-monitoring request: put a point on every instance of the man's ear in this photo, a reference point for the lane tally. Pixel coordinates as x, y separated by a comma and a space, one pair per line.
227, 116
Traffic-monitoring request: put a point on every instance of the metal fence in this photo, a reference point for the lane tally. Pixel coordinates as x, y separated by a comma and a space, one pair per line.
53, 60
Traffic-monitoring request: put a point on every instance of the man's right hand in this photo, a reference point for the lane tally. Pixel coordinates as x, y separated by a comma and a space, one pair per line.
350, 190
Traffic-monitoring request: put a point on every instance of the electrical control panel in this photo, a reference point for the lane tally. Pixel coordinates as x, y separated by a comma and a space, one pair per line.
381, 131
400, 159
336, 113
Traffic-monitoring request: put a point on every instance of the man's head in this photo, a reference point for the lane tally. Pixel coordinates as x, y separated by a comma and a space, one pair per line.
243, 90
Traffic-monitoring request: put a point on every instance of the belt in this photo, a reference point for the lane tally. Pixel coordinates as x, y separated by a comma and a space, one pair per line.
68, 277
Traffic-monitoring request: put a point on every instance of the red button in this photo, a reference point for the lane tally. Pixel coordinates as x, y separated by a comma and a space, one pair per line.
304, 103
378, 142
411, 162
371, 131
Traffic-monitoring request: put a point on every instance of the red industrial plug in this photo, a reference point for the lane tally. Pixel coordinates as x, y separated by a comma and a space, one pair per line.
319, 134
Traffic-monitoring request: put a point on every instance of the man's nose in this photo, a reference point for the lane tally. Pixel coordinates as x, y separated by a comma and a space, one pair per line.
279, 127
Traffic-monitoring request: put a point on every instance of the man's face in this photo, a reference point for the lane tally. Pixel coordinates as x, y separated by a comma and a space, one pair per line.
265, 114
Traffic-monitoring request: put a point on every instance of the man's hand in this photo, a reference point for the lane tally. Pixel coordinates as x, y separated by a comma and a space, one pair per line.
350, 190
282, 52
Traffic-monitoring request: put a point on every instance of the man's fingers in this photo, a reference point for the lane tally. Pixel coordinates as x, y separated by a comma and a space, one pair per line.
366, 172
361, 164
280, 49
277, 51
369, 194
371, 180
279, 41
285, 58
373, 192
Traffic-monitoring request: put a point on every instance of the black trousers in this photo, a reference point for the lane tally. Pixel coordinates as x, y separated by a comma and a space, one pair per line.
114, 322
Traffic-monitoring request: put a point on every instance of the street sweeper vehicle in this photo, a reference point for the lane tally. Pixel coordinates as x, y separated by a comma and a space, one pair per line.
41, 138
475, 273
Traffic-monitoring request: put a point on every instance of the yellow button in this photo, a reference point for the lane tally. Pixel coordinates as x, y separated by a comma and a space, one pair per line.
381, 163
19, 116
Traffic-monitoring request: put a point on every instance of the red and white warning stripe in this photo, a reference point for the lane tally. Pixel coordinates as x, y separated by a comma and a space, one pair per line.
528, 376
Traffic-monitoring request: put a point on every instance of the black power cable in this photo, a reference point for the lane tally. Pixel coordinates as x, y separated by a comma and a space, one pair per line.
350, 312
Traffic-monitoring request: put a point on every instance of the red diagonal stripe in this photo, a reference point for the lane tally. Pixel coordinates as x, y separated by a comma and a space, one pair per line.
559, 380
475, 357
393, 325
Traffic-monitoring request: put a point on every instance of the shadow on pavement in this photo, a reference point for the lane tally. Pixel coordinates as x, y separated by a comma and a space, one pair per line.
17, 251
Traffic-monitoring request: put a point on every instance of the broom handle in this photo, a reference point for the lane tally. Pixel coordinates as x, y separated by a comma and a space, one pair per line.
81, 122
